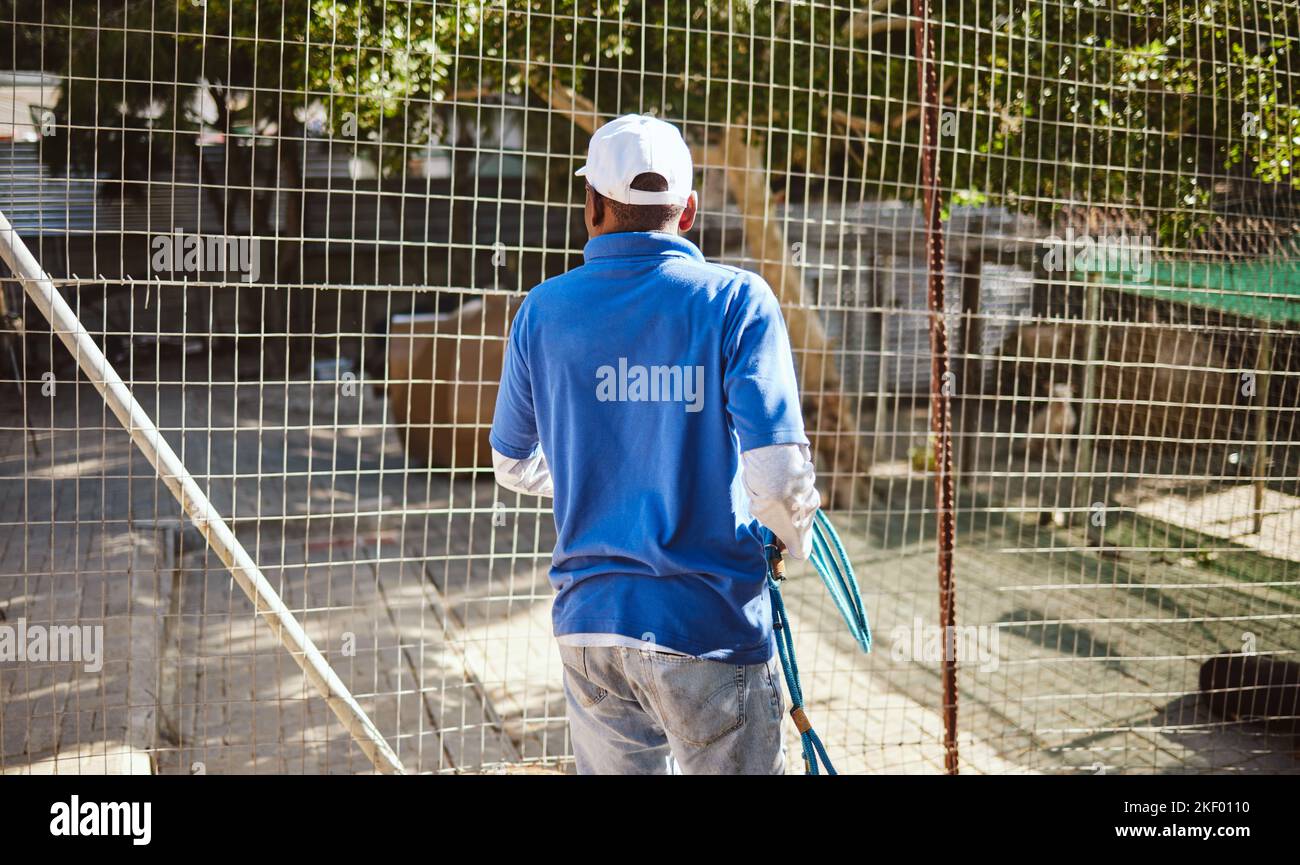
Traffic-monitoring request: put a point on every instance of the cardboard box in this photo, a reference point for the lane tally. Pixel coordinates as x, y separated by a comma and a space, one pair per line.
443, 373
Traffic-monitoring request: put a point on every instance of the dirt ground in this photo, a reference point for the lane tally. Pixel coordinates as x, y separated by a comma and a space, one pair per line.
428, 594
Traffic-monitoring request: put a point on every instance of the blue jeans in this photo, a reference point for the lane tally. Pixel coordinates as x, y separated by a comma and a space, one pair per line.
641, 712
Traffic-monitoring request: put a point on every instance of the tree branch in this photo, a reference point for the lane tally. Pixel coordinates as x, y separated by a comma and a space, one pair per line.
857, 124
869, 22
567, 101
916, 111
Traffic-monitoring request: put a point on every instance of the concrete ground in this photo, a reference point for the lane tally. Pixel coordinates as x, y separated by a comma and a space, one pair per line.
428, 594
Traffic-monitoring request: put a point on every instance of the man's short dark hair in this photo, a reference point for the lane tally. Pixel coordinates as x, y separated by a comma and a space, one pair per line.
641, 217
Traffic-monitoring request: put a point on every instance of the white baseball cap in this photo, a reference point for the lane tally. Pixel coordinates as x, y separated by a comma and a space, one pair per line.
639, 144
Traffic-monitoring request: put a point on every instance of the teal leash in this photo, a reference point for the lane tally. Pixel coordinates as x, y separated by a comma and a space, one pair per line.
832, 564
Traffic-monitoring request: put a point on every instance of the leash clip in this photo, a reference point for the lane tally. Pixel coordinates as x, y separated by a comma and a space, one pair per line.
775, 561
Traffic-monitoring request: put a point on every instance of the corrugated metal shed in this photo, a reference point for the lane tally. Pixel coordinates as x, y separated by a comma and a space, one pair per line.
40, 203
865, 266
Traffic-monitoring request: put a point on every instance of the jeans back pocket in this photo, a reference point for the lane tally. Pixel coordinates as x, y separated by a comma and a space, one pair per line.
699, 701
586, 692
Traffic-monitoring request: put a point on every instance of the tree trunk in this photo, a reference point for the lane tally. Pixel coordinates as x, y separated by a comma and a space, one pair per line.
836, 441
833, 431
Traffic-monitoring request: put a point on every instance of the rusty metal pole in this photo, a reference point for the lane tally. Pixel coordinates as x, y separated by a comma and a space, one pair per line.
1263, 366
940, 375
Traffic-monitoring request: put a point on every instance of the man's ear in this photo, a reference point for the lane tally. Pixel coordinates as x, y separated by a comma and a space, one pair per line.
687, 219
595, 207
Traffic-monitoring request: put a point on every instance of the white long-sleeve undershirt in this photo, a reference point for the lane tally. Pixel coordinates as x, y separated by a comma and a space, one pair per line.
529, 476
782, 495
778, 478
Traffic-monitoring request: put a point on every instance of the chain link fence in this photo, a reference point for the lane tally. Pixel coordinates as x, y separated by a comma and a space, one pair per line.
298, 230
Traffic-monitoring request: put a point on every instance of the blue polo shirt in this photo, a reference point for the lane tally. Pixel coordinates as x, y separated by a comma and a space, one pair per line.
642, 375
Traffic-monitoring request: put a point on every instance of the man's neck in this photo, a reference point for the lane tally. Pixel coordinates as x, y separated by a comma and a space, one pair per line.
672, 231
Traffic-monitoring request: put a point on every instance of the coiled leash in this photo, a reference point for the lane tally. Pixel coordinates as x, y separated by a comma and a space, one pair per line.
833, 566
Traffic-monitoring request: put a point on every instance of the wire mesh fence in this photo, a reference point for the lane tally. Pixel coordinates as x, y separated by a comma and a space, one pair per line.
299, 230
